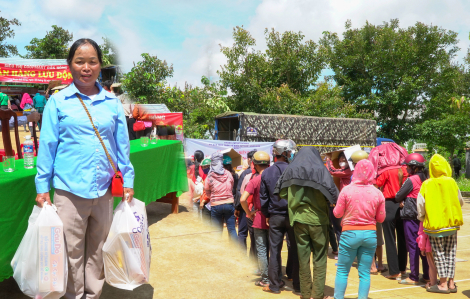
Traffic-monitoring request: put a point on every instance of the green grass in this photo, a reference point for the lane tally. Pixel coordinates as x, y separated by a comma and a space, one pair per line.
463, 183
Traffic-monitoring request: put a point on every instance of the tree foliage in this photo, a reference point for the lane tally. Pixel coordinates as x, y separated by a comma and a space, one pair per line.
55, 45
7, 32
249, 73
324, 101
146, 82
392, 71
199, 106
109, 50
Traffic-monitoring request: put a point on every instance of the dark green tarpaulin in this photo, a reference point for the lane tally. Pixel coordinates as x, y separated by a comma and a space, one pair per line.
159, 170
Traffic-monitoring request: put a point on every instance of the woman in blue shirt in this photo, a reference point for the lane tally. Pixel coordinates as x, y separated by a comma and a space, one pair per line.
74, 161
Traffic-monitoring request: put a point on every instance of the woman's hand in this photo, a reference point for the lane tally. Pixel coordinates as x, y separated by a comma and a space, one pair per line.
41, 198
128, 194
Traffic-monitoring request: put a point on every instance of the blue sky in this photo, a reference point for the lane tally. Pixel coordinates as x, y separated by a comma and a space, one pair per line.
187, 33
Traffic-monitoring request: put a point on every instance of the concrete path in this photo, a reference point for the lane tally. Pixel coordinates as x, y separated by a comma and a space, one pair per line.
192, 260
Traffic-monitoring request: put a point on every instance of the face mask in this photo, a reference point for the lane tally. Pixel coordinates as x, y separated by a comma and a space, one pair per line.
343, 164
206, 170
291, 157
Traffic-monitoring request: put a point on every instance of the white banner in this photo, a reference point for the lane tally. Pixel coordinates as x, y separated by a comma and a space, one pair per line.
208, 147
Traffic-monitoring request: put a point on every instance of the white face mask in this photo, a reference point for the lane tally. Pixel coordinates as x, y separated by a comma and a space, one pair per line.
343, 164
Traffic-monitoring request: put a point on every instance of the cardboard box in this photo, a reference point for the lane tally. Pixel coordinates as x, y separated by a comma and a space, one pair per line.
236, 157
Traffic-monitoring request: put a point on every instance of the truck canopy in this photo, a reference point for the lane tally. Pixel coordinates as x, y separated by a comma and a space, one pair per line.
327, 134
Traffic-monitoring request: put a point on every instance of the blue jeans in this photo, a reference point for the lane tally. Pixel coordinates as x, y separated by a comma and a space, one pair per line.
262, 240
224, 212
360, 243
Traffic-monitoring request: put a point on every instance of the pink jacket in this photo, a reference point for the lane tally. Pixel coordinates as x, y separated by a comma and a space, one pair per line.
360, 204
423, 240
218, 188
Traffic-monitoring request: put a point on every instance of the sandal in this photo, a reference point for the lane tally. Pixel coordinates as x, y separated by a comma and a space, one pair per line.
393, 277
383, 270
435, 289
268, 290
259, 283
404, 281
454, 290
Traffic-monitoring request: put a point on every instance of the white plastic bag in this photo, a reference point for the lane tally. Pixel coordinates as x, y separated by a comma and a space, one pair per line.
40, 262
198, 189
127, 249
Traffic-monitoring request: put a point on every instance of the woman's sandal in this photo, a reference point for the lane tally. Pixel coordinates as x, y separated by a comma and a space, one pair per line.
404, 281
454, 290
435, 289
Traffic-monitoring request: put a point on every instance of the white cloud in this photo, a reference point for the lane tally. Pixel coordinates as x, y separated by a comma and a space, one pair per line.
198, 53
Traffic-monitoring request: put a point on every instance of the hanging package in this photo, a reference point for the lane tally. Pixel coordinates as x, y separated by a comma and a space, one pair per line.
40, 262
127, 249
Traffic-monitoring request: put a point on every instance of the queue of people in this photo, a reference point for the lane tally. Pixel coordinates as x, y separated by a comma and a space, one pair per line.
294, 199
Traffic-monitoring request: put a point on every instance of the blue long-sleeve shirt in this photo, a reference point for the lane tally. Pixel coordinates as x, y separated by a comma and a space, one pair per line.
70, 153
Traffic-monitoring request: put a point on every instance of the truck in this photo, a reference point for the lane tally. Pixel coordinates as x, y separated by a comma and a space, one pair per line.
325, 133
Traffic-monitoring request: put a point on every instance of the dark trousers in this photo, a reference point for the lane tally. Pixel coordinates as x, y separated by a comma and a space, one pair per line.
278, 226
337, 228
312, 245
411, 228
396, 259
242, 229
457, 172
130, 128
333, 244
253, 252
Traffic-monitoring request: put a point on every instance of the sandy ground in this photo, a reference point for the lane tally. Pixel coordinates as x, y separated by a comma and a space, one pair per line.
192, 260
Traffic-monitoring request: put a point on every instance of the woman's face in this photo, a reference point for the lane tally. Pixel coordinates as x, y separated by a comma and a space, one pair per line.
343, 163
85, 66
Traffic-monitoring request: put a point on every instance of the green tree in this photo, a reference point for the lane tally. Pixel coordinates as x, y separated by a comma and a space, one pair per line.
110, 54
147, 80
53, 46
324, 101
199, 106
6, 32
392, 71
249, 73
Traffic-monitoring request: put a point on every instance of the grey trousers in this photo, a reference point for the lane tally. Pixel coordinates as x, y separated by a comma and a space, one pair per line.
86, 227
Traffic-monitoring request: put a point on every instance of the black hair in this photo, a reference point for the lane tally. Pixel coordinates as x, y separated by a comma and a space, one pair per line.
80, 42
250, 154
342, 154
198, 156
107, 84
229, 168
189, 163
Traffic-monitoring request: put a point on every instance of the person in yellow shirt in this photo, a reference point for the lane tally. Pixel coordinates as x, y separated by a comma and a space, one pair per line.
439, 208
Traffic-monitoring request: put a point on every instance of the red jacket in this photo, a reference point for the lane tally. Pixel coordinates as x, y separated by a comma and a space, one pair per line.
390, 182
344, 174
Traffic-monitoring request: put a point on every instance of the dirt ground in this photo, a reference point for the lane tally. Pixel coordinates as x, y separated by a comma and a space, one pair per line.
192, 260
